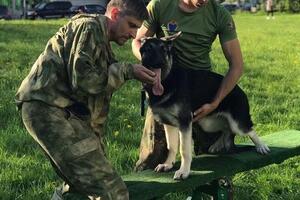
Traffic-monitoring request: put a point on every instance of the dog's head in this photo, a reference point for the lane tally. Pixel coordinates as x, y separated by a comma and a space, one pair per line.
156, 55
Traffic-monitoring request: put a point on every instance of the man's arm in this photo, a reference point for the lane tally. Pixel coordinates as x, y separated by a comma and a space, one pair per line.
136, 42
118, 73
233, 55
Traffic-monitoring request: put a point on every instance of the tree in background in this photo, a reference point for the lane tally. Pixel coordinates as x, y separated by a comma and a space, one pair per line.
294, 5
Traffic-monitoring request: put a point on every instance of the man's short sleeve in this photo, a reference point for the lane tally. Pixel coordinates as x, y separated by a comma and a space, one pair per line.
226, 26
152, 23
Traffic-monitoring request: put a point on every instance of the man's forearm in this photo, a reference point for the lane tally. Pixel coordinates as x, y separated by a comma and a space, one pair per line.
233, 55
229, 82
136, 45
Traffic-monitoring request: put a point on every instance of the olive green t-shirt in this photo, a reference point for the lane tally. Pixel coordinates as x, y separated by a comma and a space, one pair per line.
199, 29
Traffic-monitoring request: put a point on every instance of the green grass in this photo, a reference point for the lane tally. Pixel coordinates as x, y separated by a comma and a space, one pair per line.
271, 50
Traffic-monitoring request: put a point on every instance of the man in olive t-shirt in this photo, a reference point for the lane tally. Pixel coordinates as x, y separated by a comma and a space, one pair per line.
200, 22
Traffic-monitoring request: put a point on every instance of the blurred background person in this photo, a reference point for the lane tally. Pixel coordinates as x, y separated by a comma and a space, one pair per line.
269, 9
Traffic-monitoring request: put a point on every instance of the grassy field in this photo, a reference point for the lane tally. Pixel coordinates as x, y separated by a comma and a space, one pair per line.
271, 50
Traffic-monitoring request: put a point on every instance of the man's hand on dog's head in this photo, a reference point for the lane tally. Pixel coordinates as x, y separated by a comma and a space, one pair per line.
143, 74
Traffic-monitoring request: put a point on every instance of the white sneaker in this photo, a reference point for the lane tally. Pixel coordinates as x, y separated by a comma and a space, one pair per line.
273, 17
268, 18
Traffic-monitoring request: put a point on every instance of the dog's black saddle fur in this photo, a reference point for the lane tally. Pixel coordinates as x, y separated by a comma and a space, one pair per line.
188, 90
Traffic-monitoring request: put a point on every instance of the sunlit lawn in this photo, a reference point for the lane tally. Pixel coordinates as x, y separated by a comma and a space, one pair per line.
271, 50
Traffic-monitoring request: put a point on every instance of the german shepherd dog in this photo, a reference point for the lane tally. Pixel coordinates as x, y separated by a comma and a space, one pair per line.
178, 92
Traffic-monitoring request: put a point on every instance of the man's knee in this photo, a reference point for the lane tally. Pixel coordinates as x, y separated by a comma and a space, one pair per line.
89, 172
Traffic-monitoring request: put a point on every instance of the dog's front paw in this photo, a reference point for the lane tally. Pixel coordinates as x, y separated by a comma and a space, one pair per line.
163, 167
262, 149
181, 174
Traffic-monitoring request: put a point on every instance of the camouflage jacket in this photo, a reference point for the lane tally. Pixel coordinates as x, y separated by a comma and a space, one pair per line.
77, 65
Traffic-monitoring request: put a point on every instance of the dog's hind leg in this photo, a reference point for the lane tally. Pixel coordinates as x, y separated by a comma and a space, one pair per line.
185, 152
172, 144
261, 147
215, 123
223, 143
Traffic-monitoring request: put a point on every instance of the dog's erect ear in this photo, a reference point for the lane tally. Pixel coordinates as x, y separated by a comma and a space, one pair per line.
171, 37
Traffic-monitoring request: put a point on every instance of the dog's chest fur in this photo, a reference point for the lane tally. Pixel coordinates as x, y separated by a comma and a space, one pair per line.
180, 99
168, 115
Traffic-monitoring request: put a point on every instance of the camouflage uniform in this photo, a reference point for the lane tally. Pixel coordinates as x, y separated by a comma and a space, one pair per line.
65, 102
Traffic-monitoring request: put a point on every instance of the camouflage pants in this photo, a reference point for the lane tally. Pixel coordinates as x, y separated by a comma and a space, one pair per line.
74, 150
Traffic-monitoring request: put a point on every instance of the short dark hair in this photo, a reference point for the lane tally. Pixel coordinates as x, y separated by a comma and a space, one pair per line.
134, 8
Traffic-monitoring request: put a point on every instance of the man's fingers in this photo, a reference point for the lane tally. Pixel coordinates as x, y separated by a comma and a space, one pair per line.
203, 111
143, 74
198, 111
197, 114
149, 79
197, 117
149, 72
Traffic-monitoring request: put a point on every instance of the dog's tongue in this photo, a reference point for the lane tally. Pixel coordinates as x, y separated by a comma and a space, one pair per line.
157, 88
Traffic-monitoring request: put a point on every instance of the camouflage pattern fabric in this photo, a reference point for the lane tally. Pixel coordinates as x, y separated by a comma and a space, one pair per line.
65, 102
75, 149
77, 65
